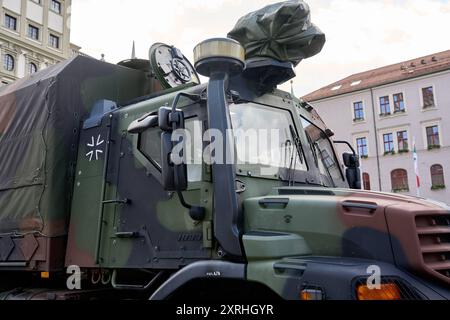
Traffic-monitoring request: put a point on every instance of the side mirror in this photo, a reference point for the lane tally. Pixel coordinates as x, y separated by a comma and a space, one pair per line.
174, 175
353, 176
353, 173
174, 172
351, 160
169, 120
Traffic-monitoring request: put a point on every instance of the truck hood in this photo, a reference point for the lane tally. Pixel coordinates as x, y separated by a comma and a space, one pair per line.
411, 232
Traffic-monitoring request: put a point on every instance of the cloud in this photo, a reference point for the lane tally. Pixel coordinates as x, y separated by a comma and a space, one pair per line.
361, 34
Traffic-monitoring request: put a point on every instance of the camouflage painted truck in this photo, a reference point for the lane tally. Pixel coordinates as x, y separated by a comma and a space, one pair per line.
89, 184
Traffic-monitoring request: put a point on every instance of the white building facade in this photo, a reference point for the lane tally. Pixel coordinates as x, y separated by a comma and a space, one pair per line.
383, 111
33, 35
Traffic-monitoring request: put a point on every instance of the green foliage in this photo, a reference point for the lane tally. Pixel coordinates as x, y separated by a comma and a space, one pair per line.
400, 190
434, 146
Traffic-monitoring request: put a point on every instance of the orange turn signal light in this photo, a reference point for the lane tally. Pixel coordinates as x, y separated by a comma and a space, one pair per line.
311, 295
387, 291
45, 275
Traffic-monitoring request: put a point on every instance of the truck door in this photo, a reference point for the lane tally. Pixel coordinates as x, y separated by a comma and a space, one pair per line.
147, 226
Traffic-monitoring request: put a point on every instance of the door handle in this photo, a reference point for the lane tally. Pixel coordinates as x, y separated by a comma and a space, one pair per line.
349, 205
274, 202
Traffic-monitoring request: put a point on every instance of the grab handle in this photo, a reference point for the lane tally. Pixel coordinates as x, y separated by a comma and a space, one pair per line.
274, 202
349, 205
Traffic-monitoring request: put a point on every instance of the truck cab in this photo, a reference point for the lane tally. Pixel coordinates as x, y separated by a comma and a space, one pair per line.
237, 180
148, 184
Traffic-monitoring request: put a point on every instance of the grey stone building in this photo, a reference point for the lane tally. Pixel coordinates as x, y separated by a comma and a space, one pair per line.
382, 111
33, 35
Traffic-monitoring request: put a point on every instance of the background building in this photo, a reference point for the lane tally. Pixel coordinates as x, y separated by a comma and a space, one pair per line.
33, 35
382, 111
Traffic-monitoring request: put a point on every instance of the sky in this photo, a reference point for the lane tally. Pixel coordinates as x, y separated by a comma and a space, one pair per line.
361, 34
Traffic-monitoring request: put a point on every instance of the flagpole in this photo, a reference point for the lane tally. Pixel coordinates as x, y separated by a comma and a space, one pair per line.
416, 167
361, 173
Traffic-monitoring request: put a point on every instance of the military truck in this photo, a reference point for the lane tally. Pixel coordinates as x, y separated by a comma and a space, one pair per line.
95, 205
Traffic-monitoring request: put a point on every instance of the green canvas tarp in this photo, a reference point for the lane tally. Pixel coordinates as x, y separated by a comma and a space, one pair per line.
282, 31
40, 118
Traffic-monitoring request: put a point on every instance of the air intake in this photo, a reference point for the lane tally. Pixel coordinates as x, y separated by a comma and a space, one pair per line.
434, 236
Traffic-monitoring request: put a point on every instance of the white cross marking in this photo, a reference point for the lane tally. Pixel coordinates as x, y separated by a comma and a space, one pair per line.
95, 145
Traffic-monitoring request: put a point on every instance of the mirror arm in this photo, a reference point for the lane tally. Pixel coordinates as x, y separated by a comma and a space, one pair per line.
353, 174
196, 213
193, 97
346, 143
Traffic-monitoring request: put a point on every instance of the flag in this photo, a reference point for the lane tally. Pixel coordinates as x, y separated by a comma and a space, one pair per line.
416, 167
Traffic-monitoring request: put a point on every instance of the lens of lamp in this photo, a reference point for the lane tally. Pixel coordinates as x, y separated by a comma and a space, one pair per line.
219, 47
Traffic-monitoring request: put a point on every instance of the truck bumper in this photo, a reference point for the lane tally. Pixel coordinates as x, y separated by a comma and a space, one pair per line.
337, 278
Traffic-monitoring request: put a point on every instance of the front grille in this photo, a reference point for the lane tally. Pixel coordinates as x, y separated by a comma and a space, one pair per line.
434, 237
407, 292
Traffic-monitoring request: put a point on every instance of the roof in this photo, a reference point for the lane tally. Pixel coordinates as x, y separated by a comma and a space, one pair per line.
393, 73
53, 71
41, 75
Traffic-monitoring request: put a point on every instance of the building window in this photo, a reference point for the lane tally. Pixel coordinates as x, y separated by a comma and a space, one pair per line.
32, 68
53, 41
428, 97
327, 159
402, 139
33, 32
362, 147
399, 103
366, 181
8, 62
358, 111
10, 22
385, 106
437, 177
433, 137
55, 6
399, 179
388, 141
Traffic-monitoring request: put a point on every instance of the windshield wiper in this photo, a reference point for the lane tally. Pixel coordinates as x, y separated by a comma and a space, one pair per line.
298, 153
298, 143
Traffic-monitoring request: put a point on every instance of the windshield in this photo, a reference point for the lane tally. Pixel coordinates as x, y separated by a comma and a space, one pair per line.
266, 137
323, 151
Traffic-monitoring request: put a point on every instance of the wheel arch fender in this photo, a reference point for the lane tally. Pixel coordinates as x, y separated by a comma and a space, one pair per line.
200, 270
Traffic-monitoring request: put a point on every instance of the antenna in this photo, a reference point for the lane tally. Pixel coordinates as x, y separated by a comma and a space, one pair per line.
133, 51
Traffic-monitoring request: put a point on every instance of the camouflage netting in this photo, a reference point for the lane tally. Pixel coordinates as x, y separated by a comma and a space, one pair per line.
282, 31
40, 118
